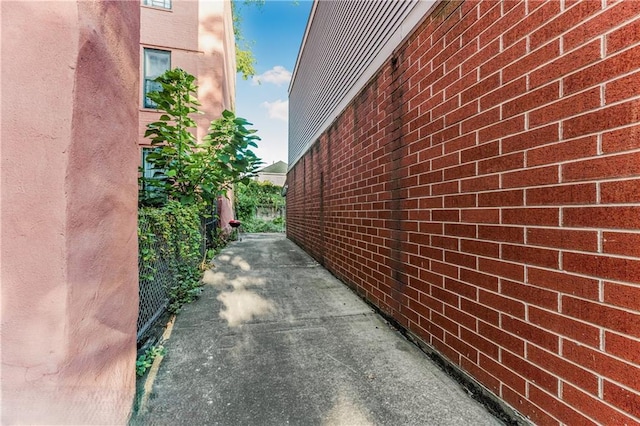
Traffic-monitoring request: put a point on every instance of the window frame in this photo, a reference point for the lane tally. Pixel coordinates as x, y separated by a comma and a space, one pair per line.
159, 4
149, 173
146, 102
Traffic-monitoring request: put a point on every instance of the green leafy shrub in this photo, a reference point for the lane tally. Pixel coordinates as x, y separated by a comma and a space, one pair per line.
188, 170
257, 225
254, 195
172, 234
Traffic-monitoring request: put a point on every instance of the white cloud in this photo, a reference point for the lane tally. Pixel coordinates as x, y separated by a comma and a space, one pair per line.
277, 75
278, 109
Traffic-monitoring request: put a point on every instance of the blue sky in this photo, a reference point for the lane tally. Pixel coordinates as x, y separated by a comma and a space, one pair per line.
276, 30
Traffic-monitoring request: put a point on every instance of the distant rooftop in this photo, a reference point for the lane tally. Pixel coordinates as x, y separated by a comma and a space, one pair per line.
279, 167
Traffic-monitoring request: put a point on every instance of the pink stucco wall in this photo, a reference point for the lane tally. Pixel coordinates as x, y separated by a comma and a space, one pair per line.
226, 212
199, 35
69, 242
216, 74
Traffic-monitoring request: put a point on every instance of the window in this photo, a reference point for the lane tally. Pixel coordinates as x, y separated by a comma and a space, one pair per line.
156, 62
165, 4
148, 171
151, 193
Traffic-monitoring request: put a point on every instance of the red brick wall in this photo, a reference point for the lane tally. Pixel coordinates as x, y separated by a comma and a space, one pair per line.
484, 190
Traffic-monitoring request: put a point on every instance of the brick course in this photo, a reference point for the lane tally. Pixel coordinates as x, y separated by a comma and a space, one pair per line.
483, 190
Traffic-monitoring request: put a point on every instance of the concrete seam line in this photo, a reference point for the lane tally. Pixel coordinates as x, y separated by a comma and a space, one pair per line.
153, 372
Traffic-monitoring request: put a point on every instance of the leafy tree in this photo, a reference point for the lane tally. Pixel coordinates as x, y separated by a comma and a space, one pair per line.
245, 60
188, 171
251, 197
171, 135
254, 194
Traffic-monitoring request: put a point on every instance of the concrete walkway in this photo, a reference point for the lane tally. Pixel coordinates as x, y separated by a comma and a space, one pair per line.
275, 339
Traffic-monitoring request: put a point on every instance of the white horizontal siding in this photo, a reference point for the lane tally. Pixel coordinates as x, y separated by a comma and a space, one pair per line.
345, 43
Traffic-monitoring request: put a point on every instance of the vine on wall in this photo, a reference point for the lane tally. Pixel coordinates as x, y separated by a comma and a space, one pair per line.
172, 234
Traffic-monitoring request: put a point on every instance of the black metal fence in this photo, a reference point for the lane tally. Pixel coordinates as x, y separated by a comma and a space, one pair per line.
155, 281
156, 277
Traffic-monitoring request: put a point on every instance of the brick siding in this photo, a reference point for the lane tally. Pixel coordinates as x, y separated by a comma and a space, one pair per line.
484, 190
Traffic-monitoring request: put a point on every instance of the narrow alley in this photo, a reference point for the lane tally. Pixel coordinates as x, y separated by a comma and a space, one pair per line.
275, 339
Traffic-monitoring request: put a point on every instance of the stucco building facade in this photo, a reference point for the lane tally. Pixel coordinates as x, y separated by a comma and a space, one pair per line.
472, 169
73, 119
196, 36
70, 158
